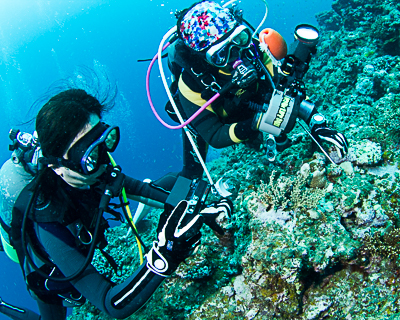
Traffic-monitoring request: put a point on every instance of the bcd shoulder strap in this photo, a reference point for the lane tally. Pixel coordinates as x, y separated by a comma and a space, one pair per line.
197, 74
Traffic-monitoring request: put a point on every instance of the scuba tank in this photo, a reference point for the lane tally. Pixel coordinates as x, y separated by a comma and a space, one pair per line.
15, 174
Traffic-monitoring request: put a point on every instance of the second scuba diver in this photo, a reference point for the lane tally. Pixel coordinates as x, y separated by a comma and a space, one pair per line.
216, 52
57, 220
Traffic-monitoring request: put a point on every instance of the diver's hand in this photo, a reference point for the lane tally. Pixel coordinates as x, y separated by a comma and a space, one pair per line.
213, 211
222, 206
321, 132
333, 137
178, 236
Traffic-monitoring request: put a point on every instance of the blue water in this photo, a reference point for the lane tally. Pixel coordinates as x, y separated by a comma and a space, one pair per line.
44, 41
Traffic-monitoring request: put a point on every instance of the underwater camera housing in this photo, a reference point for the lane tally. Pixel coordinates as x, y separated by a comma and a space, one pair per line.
195, 192
288, 100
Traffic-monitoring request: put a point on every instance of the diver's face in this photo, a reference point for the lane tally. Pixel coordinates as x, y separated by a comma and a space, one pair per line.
76, 179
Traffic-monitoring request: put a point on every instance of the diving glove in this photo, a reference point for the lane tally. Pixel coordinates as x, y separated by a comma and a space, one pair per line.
212, 212
321, 132
178, 236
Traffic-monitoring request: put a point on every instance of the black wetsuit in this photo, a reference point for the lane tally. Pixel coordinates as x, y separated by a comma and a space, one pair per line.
57, 241
226, 122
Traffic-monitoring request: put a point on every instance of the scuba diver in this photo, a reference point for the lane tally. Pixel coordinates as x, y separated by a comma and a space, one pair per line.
57, 219
230, 87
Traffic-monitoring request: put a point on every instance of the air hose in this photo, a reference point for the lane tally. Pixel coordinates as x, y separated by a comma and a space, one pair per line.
128, 210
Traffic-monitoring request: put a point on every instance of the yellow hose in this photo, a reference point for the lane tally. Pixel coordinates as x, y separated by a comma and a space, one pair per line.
128, 210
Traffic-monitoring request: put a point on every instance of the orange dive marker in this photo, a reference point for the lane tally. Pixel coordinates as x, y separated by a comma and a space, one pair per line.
272, 41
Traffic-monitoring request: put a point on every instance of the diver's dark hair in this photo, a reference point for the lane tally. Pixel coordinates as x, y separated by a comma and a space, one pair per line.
62, 118
66, 107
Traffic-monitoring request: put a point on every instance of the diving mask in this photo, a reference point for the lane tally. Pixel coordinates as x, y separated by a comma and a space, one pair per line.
219, 54
90, 152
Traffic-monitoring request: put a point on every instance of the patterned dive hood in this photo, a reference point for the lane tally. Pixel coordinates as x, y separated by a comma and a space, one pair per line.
204, 24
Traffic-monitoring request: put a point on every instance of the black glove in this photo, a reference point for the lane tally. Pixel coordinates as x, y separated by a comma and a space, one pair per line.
337, 139
255, 143
213, 210
243, 130
178, 236
320, 132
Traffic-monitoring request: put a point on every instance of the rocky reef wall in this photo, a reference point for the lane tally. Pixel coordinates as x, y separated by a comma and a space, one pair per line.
308, 239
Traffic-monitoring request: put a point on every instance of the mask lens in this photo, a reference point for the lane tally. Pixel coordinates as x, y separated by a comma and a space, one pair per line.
92, 160
90, 151
242, 39
98, 155
220, 57
220, 54
111, 140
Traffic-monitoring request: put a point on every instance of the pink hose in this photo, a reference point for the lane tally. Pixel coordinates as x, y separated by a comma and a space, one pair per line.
154, 110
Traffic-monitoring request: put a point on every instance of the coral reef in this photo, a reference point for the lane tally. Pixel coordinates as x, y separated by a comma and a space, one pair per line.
308, 239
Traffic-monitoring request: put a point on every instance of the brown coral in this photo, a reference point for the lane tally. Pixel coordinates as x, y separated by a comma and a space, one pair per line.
319, 179
387, 245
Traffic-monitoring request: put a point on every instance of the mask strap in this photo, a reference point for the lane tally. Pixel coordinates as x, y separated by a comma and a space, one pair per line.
58, 162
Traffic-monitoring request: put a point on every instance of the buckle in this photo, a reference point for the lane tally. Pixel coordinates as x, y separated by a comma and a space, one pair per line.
213, 86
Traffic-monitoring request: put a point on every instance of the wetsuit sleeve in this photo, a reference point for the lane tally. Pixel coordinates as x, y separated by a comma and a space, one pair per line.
119, 301
17, 313
208, 124
145, 190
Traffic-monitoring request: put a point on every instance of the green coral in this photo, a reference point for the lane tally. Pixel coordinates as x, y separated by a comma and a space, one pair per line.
387, 116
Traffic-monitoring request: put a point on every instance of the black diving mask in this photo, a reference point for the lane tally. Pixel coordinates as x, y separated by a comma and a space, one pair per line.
90, 152
219, 54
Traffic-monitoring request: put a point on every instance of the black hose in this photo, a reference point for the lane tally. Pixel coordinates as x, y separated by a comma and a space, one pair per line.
89, 257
